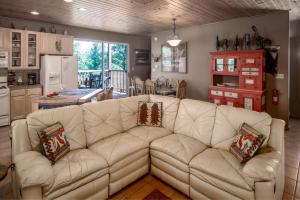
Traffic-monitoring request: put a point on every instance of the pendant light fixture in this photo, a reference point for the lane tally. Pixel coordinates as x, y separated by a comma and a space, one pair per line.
174, 39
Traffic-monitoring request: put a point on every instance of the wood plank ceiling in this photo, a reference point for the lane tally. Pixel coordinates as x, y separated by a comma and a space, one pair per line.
139, 16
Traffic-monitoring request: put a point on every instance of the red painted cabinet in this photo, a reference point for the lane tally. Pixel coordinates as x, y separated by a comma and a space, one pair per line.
238, 79
252, 70
224, 63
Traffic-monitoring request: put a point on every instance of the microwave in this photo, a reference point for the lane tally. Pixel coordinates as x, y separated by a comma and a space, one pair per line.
3, 59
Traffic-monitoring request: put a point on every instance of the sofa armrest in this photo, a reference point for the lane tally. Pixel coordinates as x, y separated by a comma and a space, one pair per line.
263, 167
20, 137
33, 169
276, 139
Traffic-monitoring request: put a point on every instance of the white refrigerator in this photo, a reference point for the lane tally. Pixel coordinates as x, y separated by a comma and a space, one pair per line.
58, 73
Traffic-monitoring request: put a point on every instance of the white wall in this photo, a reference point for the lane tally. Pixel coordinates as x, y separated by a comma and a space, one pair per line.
201, 40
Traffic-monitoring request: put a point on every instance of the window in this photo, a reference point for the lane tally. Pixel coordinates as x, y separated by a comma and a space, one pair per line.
99, 61
119, 56
89, 55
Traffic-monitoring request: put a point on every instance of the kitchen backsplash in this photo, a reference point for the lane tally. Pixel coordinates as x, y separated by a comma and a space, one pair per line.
20, 77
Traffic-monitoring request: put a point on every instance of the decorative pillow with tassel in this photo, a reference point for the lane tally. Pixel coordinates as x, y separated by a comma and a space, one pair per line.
149, 114
246, 143
54, 142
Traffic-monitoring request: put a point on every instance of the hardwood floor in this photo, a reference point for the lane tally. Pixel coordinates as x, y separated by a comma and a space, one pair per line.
5, 159
147, 184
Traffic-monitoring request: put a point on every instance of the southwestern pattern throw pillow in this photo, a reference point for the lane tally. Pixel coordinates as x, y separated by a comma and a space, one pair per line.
54, 142
246, 143
150, 114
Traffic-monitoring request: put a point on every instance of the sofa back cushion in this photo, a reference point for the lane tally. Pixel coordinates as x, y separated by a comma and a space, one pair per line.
169, 110
70, 117
101, 120
196, 119
129, 110
229, 120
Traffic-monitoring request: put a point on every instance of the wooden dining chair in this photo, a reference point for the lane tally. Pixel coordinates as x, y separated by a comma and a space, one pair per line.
173, 82
101, 96
150, 86
181, 89
107, 94
139, 86
161, 81
131, 88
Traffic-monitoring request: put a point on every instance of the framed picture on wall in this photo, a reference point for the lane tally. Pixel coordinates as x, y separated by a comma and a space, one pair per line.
142, 56
174, 59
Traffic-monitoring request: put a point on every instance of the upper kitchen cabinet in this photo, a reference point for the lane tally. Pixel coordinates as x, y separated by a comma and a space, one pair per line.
66, 44
56, 44
32, 49
4, 38
17, 49
24, 49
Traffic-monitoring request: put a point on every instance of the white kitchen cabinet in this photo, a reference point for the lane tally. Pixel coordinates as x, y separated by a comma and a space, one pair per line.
17, 104
32, 50
24, 49
23, 102
17, 49
67, 44
4, 38
56, 44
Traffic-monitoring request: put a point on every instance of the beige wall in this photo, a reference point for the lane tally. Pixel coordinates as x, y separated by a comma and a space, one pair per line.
201, 41
295, 68
135, 42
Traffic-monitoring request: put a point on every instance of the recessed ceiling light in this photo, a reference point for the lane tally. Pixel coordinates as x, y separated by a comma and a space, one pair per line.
82, 9
68, 1
34, 12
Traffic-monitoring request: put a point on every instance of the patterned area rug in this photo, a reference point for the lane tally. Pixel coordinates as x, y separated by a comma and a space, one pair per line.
156, 195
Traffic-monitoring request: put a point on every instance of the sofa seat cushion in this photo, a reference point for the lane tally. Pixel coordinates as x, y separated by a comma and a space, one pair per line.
180, 147
220, 167
149, 134
118, 147
74, 167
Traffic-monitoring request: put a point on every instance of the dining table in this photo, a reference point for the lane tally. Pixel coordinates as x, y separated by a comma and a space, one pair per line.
166, 91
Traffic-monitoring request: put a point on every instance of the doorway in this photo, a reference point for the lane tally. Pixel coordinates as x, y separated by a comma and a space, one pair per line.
102, 64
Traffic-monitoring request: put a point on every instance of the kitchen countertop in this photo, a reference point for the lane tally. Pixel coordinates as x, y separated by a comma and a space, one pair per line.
77, 96
20, 87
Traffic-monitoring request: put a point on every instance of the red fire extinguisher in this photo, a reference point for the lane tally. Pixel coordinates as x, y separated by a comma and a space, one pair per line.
275, 97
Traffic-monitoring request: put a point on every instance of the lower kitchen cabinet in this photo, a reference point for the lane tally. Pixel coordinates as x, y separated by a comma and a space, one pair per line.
30, 103
17, 107
23, 102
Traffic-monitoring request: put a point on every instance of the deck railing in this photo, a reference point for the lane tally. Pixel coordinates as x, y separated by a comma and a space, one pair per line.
118, 80
112, 78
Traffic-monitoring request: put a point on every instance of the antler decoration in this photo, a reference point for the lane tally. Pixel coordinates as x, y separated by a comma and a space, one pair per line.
156, 58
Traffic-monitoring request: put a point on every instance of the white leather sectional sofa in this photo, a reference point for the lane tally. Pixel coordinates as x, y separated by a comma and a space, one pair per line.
109, 151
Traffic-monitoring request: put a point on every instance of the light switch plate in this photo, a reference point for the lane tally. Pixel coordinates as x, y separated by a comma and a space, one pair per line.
279, 76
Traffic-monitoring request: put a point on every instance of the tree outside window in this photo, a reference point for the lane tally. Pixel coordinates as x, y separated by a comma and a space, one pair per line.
95, 59
89, 55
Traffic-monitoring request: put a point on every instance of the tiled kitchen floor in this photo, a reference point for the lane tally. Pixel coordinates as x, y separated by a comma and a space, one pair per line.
144, 186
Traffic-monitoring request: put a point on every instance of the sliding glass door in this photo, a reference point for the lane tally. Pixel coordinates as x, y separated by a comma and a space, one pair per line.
102, 64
